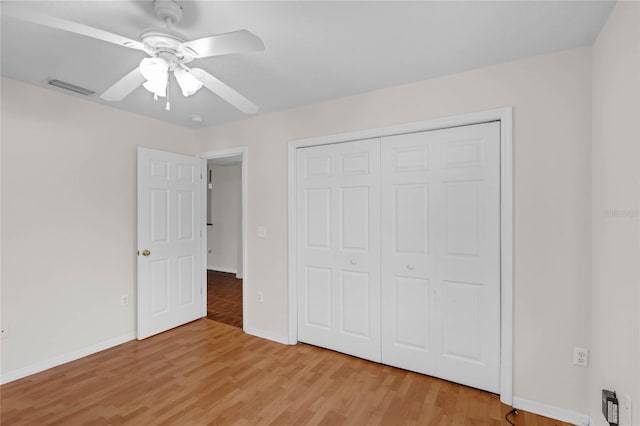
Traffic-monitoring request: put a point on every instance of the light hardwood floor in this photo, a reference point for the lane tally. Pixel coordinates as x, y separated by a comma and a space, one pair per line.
210, 373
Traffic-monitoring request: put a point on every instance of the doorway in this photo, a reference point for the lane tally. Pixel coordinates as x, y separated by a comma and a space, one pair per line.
225, 241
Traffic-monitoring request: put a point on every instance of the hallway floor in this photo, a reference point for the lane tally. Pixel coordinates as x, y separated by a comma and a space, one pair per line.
224, 298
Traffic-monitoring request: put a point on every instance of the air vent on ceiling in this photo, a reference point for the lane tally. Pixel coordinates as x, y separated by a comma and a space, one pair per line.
68, 86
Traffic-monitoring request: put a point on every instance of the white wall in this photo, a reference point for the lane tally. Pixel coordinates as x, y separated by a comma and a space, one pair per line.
552, 164
615, 350
223, 236
68, 220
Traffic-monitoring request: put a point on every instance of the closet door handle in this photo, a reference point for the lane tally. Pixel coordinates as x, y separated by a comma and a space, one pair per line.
353, 262
410, 267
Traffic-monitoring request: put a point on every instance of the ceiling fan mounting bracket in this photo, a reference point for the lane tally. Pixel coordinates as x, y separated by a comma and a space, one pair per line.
168, 10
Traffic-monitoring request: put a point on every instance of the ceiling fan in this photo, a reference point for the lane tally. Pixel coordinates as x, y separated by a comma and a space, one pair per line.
168, 52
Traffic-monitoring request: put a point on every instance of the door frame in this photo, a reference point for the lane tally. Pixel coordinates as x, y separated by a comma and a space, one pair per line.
243, 152
505, 116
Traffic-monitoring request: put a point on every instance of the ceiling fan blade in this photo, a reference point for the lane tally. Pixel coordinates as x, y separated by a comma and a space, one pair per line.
241, 41
70, 26
123, 87
224, 91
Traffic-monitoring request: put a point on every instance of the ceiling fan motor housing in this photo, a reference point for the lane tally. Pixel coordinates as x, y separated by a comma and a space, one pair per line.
163, 42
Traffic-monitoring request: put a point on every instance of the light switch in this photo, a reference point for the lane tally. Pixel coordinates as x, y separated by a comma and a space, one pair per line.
262, 232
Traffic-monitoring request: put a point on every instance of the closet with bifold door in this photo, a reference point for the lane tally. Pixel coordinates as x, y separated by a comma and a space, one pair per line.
398, 251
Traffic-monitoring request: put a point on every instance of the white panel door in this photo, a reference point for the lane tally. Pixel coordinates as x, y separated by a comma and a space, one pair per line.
338, 231
409, 334
169, 241
441, 253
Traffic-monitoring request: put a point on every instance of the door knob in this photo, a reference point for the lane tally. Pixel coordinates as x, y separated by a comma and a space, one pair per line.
353, 261
410, 267
146, 252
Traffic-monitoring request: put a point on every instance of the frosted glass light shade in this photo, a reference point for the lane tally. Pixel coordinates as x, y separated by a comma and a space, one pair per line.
187, 82
156, 71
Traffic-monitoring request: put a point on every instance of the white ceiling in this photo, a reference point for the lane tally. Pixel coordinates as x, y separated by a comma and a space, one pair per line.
315, 50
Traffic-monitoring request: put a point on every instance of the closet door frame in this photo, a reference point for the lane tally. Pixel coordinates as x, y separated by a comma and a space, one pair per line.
505, 117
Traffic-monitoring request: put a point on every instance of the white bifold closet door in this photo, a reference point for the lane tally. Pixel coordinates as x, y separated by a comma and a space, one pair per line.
338, 193
441, 254
399, 251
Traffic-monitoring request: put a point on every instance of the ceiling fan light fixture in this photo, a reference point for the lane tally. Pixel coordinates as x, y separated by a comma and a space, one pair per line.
168, 51
187, 82
156, 72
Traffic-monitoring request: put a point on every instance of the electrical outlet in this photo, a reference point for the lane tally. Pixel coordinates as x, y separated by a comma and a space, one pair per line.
580, 357
260, 297
124, 299
4, 331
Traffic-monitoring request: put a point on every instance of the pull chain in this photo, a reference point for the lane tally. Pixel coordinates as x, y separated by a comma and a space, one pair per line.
167, 107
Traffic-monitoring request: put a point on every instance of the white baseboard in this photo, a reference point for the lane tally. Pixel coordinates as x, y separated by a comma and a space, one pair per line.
223, 269
63, 359
267, 335
550, 411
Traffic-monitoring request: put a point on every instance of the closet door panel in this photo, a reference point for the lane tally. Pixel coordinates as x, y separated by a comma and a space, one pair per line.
315, 239
407, 261
355, 304
468, 277
338, 225
317, 286
441, 227
410, 297
354, 219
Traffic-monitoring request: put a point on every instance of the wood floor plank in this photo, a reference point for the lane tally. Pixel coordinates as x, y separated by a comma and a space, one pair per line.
207, 373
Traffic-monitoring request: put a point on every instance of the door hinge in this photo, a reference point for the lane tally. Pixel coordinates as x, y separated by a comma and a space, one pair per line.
200, 175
